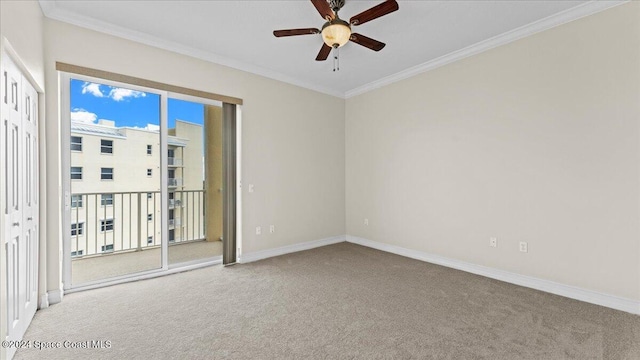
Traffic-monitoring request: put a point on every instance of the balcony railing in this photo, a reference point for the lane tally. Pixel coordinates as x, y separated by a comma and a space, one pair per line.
173, 182
126, 221
172, 161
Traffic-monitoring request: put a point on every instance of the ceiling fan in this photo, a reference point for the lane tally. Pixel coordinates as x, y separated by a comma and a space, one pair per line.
337, 32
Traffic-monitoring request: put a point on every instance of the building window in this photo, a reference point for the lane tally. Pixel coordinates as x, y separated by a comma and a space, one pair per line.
149, 172
76, 173
106, 248
148, 149
149, 217
76, 143
149, 239
172, 235
149, 195
106, 173
77, 253
107, 199
106, 146
106, 225
76, 201
77, 229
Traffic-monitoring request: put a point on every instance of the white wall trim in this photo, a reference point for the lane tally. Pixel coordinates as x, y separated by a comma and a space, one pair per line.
563, 17
55, 296
264, 254
52, 11
44, 301
593, 297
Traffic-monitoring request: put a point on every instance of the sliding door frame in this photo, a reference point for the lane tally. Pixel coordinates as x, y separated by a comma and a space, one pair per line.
65, 133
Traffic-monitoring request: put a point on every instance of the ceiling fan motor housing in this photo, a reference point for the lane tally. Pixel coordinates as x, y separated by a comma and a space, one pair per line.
336, 5
337, 32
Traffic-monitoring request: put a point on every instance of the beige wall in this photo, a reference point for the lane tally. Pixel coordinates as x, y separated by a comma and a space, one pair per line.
534, 141
213, 172
292, 138
26, 41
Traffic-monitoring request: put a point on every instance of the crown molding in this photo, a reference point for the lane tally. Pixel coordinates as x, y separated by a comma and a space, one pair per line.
52, 11
563, 17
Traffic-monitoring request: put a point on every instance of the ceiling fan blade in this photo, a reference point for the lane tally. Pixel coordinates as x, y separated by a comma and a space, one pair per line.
323, 8
324, 52
375, 12
367, 42
293, 32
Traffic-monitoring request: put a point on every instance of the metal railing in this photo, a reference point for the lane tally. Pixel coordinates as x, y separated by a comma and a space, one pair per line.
174, 222
173, 161
111, 222
174, 182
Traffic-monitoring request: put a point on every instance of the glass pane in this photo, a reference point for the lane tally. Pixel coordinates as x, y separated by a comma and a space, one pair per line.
192, 195
115, 204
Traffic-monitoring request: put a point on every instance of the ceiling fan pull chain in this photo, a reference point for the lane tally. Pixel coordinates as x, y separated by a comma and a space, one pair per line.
336, 59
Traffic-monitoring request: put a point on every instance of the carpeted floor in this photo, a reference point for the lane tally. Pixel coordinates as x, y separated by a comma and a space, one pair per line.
341, 301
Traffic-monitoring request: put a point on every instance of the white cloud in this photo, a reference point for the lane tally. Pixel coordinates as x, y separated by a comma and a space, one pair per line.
92, 88
119, 94
115, 93
84, 116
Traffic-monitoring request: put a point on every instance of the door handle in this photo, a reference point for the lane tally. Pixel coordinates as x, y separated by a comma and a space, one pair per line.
16, 224
29, 218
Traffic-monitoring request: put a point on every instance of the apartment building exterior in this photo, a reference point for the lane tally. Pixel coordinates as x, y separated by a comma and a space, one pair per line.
116, 184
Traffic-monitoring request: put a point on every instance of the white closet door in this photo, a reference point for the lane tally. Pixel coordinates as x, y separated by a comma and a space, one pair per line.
29, 198
19, 138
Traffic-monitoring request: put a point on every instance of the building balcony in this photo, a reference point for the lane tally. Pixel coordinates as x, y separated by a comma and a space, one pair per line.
174, 182
92, 268
173, 203
114, 222
174, 162
174, 223
118, 233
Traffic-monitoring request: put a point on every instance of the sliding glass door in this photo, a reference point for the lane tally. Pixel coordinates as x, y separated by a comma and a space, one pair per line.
194, 185
144, 186
115, 181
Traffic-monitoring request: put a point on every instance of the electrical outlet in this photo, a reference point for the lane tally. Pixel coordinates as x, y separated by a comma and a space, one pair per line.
250, 188
258, 230
493, 242
272, 229
524, 247
366, 222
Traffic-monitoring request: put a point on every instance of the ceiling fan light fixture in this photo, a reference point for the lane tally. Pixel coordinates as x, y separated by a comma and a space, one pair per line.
336, 32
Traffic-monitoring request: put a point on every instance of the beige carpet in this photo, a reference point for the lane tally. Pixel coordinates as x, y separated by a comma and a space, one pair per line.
336, 302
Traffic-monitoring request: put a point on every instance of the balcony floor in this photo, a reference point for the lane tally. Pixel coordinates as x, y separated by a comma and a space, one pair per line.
117, 264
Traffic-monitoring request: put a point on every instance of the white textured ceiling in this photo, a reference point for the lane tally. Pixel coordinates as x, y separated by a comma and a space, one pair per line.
239, 33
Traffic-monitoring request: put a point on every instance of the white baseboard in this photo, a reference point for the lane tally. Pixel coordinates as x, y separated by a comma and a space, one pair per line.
55, 296
593, 297
44, 301
259, 255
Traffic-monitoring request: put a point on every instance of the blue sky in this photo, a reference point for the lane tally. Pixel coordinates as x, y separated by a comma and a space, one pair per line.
93, 101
